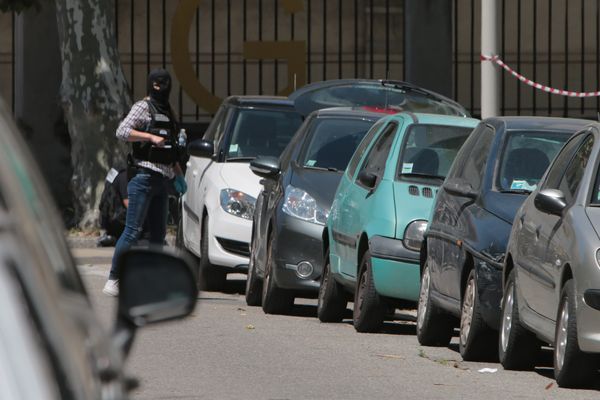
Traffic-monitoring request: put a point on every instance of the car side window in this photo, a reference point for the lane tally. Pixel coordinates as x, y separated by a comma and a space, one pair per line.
474, 166
558, 167
378, 154
574, 172
362, 147
216, 125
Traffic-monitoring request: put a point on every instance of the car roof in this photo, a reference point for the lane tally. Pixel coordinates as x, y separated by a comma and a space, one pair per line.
259, 101
437, 119
357, 112
304, 104
538, 123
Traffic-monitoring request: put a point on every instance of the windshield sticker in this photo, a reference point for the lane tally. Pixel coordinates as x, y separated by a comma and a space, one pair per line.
407, 168
521, 184
233, 148
311, 163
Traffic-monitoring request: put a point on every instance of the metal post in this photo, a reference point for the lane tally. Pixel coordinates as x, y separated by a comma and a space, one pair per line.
490, 72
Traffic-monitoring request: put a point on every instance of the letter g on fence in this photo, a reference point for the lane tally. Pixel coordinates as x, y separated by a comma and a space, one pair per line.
292, 51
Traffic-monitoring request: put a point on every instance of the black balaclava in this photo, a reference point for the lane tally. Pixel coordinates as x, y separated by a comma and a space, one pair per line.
159, 97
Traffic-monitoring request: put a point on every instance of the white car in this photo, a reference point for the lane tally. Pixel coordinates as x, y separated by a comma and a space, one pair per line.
217, 210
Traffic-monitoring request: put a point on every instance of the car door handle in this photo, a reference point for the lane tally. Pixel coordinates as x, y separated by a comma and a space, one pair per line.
537, 232
188, 164
522, 218
195, 172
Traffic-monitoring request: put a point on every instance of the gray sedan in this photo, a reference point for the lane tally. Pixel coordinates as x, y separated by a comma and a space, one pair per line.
552, 268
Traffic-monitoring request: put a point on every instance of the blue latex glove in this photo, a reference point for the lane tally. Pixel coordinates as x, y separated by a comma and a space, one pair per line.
179, 184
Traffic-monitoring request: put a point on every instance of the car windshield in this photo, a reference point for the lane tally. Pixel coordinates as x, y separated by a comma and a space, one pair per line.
429, 150
260, 132
332, 141
526, 156
358, 95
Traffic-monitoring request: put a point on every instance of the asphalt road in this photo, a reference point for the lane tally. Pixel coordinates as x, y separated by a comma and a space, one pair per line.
227, 350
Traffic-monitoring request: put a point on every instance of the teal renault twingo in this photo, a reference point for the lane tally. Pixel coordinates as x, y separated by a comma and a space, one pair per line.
375, 227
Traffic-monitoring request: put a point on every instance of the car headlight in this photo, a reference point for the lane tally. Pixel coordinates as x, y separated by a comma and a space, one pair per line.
302, 205
598, 256
237, 203
413, 235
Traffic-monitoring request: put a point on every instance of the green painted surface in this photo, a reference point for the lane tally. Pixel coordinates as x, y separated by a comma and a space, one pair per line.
395, 279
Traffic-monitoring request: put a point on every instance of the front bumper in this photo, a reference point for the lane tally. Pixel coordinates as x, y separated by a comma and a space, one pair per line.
228, 235
395, 268
489, 292
298, 242
588, 321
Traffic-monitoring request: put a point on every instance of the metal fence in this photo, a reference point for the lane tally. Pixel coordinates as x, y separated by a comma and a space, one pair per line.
340, 38
7, 51
553, 42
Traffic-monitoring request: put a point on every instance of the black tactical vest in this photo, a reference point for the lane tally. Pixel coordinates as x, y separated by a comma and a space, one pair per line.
159, 125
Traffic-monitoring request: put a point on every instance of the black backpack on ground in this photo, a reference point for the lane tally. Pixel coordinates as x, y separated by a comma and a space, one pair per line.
112, 210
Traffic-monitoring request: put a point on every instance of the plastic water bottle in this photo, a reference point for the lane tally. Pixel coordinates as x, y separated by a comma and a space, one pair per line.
182, 138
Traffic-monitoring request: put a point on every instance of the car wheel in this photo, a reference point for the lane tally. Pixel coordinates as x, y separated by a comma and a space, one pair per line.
434, 327
517, 347
209, 277
477, 342
179, 235
253, 283
572, 367
369, 308
332, 301
274, 300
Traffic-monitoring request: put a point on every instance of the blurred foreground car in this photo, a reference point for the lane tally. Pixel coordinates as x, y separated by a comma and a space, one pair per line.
51, 345
374, 231
216, 222
461, 263
293, 207
552, 269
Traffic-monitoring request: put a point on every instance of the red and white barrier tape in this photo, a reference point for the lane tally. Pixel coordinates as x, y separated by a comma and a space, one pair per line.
496, 59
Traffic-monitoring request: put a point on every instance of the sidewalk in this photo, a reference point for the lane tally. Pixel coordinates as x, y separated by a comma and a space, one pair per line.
89, 241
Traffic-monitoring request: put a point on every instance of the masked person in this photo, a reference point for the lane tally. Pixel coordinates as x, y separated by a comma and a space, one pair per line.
151, 128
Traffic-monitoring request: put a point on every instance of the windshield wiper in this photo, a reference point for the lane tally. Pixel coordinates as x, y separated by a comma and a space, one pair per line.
322, 168
239, 159
517, 191
414, 175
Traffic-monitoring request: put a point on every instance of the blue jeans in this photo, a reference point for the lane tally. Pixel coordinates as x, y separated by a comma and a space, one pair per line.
148, 198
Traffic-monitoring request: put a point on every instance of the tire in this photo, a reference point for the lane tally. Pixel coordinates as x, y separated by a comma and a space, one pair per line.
476, 341
572, 367
434, 327
332, 302
274, 300
253, 283
179, 244
369, 308
518, 348
210, 278
179, 235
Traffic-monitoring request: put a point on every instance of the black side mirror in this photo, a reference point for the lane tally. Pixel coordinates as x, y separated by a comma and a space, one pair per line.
367, 179
459, 187
155, 285
550, 201
201, 148
265, 167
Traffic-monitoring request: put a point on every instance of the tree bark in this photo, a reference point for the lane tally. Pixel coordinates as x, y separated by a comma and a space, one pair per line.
94, 95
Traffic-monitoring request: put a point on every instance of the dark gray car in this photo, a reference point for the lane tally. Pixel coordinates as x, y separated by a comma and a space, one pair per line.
551, 274
52, 344
293, 207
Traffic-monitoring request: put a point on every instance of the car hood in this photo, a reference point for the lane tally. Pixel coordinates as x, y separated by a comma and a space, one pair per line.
593, 213
238, 176
503, 205
321, 185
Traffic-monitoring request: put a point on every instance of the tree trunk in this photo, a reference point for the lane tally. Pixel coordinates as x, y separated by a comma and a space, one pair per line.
94, 95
